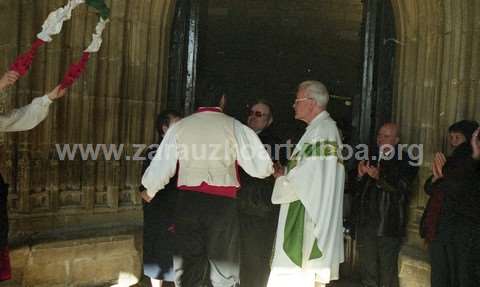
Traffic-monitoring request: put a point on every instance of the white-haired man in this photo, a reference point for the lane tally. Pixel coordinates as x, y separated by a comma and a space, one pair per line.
309, 245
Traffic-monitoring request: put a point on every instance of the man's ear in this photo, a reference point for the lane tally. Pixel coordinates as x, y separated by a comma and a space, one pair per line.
270, 121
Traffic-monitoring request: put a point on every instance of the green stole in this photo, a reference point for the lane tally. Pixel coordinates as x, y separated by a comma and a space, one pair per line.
295, 222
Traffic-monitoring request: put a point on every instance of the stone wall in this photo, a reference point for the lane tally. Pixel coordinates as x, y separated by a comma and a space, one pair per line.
114, 102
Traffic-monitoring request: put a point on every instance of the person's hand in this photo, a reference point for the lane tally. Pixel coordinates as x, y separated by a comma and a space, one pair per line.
361, 169
8, 79
279, 170
145, 196
475, 142
373, 171
56, 93
437, 166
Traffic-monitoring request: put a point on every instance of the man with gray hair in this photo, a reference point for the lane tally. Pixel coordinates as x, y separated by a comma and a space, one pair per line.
309, 245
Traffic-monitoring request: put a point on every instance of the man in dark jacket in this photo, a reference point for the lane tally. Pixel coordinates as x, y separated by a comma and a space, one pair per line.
158, 216
382, 188
257, 215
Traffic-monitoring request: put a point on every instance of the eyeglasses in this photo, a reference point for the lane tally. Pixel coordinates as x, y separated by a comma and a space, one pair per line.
257, 114
301, 100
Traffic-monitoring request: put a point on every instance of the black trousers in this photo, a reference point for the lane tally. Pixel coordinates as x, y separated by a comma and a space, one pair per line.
456, 263
3, 214
443, 263
463, 244
378, 257
474, 256
455, 260
257, 236
207, 240
5, 270
158, 242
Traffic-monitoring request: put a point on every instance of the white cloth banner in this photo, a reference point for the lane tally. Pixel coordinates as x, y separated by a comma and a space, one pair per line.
53, 24
97, 37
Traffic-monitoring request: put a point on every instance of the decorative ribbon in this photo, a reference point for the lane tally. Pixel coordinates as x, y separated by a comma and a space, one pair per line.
53, 26
23, 62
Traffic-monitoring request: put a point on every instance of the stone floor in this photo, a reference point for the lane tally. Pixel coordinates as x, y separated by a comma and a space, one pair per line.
346, 283
342, 283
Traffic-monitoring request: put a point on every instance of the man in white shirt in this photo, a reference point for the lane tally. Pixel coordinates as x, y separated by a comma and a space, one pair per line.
309, 244
206, 148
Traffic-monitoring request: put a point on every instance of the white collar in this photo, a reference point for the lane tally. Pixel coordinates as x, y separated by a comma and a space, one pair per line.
317, 119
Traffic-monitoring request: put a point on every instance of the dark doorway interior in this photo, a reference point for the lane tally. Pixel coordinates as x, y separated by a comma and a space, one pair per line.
264, 49
373, 106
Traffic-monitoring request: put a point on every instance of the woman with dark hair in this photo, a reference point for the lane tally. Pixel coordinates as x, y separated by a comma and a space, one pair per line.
442, 226
158, 215
465, 204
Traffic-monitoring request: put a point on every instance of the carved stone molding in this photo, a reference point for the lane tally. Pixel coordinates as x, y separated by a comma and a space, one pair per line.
114, 102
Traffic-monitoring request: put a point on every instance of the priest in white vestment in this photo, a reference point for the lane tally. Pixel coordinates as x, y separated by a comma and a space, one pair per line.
309, 242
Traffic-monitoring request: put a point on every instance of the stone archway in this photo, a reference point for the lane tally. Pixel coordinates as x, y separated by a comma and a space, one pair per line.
436, 84
438, 71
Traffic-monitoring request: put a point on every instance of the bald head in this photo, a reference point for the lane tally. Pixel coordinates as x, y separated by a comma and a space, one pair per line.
388, 135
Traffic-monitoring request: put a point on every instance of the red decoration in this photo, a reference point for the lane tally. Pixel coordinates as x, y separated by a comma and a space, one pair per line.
433, 212
23, 62
74, 71
5, 269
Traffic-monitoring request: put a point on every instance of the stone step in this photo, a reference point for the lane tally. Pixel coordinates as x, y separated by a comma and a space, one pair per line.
96, 261
414, 267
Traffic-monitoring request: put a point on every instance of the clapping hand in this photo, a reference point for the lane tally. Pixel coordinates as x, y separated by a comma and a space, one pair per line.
437, 166
373, 171
361, 169
476, 144
365, 168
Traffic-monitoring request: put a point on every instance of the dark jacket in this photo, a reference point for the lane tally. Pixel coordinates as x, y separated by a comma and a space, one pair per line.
382, 205
255, 195
164, 202
466, 203
448, 196
3, 214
